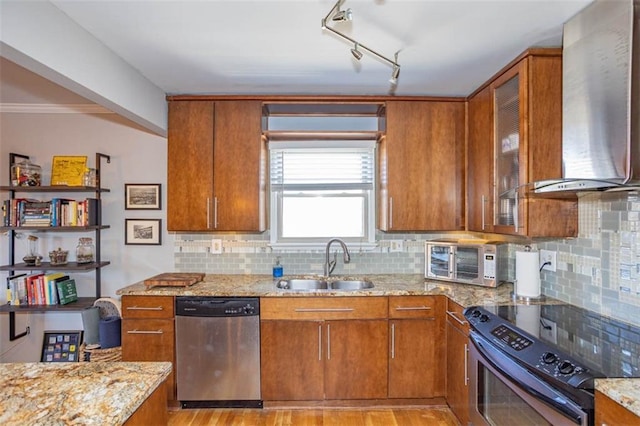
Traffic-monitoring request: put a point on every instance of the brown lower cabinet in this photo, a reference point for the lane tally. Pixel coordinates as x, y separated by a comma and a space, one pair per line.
416, 325
610, 413
324, 348
148, 332
457, 362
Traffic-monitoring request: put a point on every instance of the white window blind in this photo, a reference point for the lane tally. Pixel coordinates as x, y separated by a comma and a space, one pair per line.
322, 189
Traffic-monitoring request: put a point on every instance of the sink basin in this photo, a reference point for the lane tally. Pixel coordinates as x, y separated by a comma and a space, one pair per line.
302, 284
351, 285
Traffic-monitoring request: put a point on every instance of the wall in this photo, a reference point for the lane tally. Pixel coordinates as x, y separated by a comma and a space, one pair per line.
136, 157
600, 269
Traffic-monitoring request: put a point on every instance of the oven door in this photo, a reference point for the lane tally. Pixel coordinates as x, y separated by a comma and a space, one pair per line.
503, 393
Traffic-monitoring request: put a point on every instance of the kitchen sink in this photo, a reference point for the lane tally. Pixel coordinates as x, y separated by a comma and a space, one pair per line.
301, 284
351, 285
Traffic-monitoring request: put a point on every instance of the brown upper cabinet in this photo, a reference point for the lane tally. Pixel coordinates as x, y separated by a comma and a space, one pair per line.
420, 168
216, 166
526, 135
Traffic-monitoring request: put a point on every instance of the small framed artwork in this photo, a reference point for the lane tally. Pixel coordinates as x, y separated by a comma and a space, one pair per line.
142, 232
61, 346
68, 170
140, 196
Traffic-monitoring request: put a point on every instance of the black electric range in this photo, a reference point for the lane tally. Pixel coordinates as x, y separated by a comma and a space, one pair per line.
562, 343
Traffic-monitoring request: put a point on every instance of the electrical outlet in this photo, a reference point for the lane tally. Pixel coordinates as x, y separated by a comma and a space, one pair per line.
548, 259
396, 245
216, 246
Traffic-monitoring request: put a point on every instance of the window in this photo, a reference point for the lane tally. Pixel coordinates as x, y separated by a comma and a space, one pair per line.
320, 190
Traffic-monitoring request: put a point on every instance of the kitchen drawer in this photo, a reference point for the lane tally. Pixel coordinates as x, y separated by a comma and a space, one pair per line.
414, 306
147, 307
456, 318
323, 308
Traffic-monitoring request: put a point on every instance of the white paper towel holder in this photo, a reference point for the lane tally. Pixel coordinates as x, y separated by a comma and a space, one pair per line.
526, 299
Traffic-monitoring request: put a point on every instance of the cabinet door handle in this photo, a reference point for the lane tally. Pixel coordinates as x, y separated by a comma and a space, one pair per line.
516, 213
393, 341
323, 310
208, 213
320, 342
454, 315
390, 212
145, 308
145, 332
484, 200
215, 212
413, 308
328, 341
466, 366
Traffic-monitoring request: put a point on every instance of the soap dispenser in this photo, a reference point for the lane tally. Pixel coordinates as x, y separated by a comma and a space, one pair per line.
277, 268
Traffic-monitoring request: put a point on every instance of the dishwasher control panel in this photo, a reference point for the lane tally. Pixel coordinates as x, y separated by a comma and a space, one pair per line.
217, 306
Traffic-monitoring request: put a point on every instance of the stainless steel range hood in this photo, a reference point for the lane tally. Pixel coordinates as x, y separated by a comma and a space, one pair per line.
601, 96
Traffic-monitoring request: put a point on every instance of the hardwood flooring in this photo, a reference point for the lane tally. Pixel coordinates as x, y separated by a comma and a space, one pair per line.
409, 416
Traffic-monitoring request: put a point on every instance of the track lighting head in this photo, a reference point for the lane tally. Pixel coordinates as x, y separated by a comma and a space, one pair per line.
356, 53
395, 74
343, 15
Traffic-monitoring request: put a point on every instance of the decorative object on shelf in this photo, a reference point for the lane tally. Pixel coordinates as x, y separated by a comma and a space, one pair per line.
68, 170
140, 196
61, 346
338, 15
58, 257
32, 258
25, 173
90, 178
142, 232
85, 250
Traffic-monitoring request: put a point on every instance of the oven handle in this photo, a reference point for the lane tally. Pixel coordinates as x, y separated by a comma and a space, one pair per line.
545, 392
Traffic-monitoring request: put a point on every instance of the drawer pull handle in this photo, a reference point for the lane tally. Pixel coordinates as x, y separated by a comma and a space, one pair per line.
143, 308
324, 310
145, 332
413, 308
454, 315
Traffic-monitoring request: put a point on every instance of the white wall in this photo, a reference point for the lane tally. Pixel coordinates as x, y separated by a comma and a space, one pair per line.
137, 156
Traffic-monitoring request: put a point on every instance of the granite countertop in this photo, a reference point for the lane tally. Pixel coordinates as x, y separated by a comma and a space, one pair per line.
385, 285
81, 393
625, 392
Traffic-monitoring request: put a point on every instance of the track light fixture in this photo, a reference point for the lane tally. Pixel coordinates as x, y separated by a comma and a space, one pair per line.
342, 15
356, 53
338, 15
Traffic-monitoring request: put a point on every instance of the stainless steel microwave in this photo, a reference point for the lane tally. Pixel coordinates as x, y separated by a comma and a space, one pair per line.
477, 262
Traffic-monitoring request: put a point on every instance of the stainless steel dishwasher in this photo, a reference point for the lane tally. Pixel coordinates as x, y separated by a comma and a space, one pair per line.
218, 352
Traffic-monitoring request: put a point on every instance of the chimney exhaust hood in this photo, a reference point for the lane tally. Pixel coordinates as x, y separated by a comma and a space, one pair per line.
600, 99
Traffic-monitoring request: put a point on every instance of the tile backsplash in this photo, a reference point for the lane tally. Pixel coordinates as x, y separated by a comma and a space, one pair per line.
599, 270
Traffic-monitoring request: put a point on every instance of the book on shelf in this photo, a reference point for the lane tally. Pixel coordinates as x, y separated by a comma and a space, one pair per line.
56, 212
16, 285
67, 292
33, 289
51, 292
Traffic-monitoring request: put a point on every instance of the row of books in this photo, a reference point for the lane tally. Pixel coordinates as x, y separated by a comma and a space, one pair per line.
56, 212
41, 289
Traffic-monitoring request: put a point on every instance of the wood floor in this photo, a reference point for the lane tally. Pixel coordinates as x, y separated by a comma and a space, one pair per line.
410, 416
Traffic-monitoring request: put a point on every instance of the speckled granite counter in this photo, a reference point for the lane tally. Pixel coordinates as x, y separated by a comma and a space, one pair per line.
86, 393
625, 392
385, 285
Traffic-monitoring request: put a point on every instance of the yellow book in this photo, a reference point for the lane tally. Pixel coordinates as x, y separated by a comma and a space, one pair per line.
50, 291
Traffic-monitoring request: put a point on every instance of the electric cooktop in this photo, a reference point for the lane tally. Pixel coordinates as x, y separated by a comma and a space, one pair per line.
604, 345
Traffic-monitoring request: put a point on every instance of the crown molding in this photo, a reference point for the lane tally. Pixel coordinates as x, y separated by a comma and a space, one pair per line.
19, 108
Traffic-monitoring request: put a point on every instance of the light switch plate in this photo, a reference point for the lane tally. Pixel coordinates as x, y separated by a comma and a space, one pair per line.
396, 246
216, 246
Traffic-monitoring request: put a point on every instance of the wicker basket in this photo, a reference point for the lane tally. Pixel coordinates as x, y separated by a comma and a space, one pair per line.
100, 355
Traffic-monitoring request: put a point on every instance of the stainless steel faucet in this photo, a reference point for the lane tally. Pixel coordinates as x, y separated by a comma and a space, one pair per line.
329, 266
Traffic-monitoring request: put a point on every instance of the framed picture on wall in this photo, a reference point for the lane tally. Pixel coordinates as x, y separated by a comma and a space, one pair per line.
61, 346
141, 196
143, 232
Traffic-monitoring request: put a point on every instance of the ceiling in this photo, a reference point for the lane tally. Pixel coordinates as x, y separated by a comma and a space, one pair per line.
447, 47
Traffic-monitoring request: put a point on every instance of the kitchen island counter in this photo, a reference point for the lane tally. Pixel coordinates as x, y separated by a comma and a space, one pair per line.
85, 393
625, 392
385, 285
